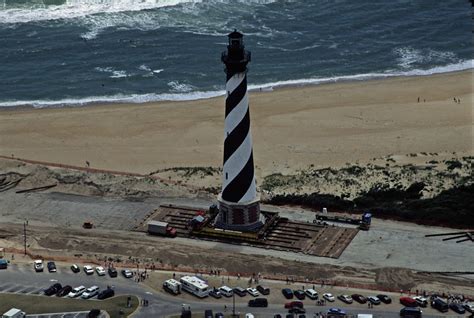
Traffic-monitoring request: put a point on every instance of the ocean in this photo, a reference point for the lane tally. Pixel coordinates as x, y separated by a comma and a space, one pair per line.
57, 53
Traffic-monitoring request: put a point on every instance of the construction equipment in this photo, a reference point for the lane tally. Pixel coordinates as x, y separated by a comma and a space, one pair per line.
88, 225
365, 221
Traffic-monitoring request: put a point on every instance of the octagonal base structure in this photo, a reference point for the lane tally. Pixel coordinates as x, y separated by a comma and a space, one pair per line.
244, 217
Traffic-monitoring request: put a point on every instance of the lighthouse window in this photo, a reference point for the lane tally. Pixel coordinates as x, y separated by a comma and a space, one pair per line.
226, 175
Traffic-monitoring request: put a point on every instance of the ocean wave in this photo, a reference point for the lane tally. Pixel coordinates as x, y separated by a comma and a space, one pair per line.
70, 9
408, 56
464, 65
119, 98
80, 8
114, 73
180, 87
183, 92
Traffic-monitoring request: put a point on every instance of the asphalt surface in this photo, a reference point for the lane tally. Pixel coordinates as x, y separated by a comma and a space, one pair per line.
21, 279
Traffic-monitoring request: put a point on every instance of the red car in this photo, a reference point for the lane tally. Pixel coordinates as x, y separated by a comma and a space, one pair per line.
359, 298
408, 302
293, 304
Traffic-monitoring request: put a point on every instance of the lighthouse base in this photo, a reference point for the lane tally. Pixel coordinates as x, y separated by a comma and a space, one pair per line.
244, 216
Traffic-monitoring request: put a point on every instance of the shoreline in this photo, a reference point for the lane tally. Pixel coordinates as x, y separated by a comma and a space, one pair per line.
292, 127
258, 89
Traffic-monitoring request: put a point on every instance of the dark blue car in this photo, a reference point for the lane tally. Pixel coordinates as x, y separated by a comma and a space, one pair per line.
336, 312
288, 293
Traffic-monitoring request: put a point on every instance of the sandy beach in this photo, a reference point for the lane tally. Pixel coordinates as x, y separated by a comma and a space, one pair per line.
293, 127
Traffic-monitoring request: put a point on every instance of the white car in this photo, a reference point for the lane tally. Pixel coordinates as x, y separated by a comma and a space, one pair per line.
374, 300
90, 292
253, 292
329, 297
76, 292
100, 271
88, 270
421, 301
345, 298
38, 265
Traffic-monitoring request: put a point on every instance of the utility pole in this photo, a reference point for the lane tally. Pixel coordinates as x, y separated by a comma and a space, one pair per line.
24, 235
233, 303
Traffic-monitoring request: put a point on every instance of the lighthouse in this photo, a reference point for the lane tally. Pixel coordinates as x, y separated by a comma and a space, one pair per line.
239, 205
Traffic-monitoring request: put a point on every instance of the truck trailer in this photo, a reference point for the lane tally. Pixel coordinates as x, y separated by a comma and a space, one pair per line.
161, 228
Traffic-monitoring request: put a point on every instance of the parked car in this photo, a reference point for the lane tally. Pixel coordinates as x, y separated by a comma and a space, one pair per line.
336, 312
76, 292
422, 302
127, 273
311, 293
329, 297
112, 272
226, 291
440, 304
287, 293
345, 298
457, 308
38, 265
218, 315
100, 271
295, 303
53, 289
88, 270
384, 298
374, 300
253, 292
90, 292
215, 293
277, 316
75, 268
263, 290
258, 302
359, 298
469, 307
240, 291
94, 313
106, 293
51, 267
408, 302
297, 310
411, 312
64, 291
299, 294
208, 313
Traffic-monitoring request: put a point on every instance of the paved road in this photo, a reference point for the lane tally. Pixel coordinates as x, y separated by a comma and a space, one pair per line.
21, 279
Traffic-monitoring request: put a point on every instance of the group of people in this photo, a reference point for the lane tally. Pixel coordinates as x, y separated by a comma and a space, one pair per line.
457, 100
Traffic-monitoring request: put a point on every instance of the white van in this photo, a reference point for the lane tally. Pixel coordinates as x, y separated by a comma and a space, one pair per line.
226, 291
14, 313
311, 293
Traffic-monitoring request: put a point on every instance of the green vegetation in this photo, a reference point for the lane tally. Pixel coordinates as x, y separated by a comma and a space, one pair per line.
453, 207
32, 304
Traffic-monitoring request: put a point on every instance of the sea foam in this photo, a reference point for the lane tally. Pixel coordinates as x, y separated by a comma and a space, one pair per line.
183, 92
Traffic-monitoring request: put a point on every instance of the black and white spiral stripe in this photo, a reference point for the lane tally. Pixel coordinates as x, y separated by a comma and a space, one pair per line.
239, 180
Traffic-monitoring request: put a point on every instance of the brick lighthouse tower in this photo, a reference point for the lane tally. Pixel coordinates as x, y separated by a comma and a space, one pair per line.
239, 207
